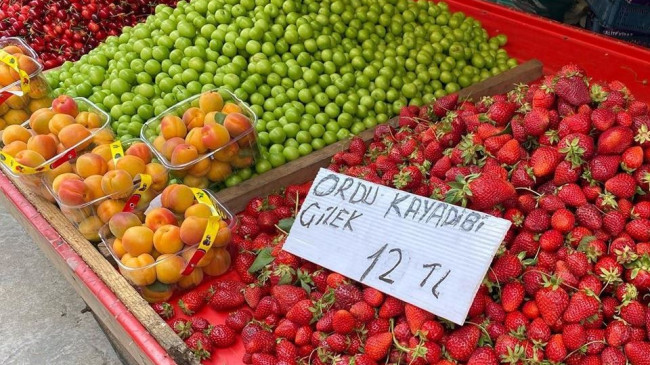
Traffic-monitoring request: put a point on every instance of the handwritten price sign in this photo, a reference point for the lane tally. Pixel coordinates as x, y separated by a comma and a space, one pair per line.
426, 252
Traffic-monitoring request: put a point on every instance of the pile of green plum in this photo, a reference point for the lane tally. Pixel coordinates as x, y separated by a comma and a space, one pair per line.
314, 71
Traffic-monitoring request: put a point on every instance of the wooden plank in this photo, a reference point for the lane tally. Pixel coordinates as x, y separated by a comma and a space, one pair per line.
141, 310
305, 168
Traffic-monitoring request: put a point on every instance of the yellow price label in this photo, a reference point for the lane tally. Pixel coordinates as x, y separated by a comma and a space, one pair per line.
203, 198
144, 185
11, 61
19, 168
116, 150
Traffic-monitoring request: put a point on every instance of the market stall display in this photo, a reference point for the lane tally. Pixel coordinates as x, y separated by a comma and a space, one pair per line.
561, 157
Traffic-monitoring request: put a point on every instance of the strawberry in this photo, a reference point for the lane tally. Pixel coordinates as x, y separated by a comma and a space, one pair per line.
460, 344
222, 336
538, 330
544, 161
536, 122
501, 112
612, 356
604, 167
615, 140
637, 352
261, 341
639, 229
362, 311
589, 216
633, 313
509, 153
572, 195
555, 349
378, 346
199, 324
562, 220
343, 322
192, 302
582, 305
242, 263
255, 206
373, 297
416, 317
551, 300
505, 267
621, 185
392, 307
263, 359
512, 295
253, 294
182, 328
164, 310
301, 312
537, 220
565, 173
238, 319
445, 104
573, 89
357, 146
288, 295
267, 221
484, 191
603, 119
632, 158
543, 97
200, 345
576, 148
483, 356
226, 299
574, 336
409, 177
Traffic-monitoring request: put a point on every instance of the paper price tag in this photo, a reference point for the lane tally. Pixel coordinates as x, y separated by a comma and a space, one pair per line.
426, 252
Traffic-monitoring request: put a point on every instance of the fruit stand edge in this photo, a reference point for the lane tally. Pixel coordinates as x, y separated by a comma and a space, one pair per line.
141, 333
305, 168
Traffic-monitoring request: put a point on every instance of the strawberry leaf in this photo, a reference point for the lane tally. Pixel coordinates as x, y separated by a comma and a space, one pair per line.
286, 224
263, 258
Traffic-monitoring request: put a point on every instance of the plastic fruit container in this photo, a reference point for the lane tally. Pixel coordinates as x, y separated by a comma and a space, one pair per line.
104, 181
205, 139
152, 252
18, 99
52, 139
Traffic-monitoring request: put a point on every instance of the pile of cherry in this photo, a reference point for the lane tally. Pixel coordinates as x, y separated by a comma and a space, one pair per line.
566, 160
64, 30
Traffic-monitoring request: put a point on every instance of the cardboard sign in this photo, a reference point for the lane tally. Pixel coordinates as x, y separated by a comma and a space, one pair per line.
429, 253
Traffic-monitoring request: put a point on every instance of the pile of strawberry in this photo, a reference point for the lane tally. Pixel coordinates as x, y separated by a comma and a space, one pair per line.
566, 160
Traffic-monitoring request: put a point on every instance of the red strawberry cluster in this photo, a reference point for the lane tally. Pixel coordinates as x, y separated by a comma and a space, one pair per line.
565, 160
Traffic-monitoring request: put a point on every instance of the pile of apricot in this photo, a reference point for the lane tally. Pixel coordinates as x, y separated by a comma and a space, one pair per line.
17, 108
212, 128
156, 250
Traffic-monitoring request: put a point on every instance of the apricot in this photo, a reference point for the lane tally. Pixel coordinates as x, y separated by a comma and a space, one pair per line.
108, 208
121, 221
223, 236
131, 164
39, 121
172, 126
159, 217
41, 103
90, 164
89, 120
13, 50
191, 280
192, 230
29, 158
169, 146
75, 214
200, 182
242, 161
73, 192
167, 239
140, 150
193, 118
198, 210
90, 227
140, 270
17, 102
195, 138
219, 264
159, 175
65, 105
103, 136
237, 124
39, 89
177, 198
3, 124
104, 151
169, 268
94, 184
200, 168
75, 135
56, 183
145, 199
14, 147
214, 136
15, 133
43, 144
64, 168
15, 116
158, 143
184, 153
59, 121
138, 240
219, 171
205, 260
118, 248
227, 153
27, 64
231, 108
117, 183
210, 101
157, 292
